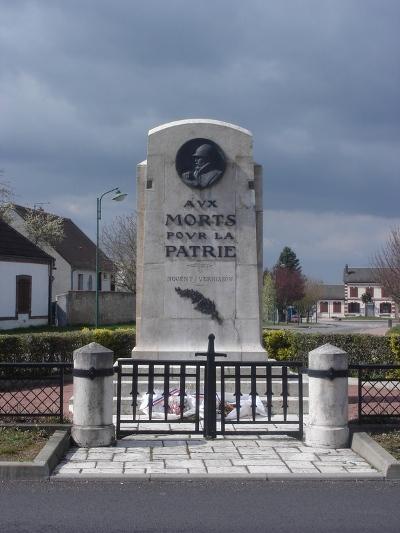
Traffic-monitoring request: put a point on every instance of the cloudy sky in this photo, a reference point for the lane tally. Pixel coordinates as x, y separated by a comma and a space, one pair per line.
316, 81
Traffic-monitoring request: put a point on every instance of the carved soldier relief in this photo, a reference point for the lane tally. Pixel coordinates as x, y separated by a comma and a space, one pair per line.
200, 163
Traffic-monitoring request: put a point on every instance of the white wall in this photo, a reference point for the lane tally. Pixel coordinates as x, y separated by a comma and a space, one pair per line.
377, 298
62, 271
40, 291
105, 283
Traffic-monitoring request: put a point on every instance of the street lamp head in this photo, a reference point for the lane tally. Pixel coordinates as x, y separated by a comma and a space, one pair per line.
119, 196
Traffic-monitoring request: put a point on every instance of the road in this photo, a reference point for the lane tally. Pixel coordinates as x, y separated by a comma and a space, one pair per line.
224, 506
372, 327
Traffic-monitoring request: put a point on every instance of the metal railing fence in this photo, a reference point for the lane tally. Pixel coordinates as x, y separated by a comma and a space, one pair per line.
32, 390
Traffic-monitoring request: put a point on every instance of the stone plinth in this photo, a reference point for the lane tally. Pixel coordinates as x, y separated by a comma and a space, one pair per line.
199, 256
328, 399
93, 396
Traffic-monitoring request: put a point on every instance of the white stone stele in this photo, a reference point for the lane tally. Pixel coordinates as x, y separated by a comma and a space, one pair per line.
328, 400
93, 398
168, 326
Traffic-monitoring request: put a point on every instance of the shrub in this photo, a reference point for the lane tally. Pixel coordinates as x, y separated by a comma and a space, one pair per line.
361, 348
59, 346
279, 345
395, 346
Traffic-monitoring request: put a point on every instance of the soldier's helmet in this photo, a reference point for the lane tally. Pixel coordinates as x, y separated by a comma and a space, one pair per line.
204, 150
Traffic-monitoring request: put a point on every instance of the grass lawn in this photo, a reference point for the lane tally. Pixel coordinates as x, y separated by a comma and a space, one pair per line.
394, 329
21, 444
52, 329
390, 441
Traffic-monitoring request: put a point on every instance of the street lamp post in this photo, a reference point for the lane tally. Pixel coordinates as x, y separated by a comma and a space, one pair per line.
118, 197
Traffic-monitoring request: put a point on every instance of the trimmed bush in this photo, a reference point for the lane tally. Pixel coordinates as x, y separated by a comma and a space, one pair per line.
59, 346
395, 346
361, 348
280, 345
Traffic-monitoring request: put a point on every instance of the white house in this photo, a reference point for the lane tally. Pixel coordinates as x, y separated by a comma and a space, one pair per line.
359, 281
25, 281
338, 301
75, 258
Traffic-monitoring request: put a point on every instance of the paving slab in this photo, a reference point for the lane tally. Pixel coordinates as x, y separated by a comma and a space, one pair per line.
225, 458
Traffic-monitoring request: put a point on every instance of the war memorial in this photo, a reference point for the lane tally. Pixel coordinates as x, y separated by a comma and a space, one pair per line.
199, 279
199, 257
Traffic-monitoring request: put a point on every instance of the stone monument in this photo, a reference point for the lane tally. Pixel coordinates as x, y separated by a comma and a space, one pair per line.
199, 247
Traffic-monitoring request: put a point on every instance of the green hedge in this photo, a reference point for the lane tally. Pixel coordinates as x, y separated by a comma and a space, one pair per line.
280, 344
59, 347
288, 345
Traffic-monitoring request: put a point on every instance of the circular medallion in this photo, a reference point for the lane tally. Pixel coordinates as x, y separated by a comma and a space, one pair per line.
200, 163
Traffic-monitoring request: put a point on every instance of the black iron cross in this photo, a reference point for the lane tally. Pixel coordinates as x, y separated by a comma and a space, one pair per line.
210, 389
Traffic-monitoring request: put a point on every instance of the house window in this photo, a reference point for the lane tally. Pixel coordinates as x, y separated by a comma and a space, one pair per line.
354, 307
90, 282
99, 277
370, 290
80, 282
24, 294
337, 307
385, 308
353, 292
323, 307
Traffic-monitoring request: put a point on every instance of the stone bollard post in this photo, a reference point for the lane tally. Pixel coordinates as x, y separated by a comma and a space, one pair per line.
328, 398
93, 396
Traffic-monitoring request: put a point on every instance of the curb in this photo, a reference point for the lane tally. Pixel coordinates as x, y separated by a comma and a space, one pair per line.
365, 476
43, 464
377, 456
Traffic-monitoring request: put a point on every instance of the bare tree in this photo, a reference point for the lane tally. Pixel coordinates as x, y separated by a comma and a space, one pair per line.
6, 196
119, 243
387, 265
43, 228
312, 293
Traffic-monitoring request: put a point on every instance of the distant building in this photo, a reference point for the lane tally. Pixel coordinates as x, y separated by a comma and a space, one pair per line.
75, 258
332, 302
359, 281
25, 281
346, 300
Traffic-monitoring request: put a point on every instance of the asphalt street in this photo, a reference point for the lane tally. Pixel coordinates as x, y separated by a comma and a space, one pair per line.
371, 327
223, 506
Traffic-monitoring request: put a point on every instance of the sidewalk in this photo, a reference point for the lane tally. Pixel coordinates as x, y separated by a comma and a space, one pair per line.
168, 457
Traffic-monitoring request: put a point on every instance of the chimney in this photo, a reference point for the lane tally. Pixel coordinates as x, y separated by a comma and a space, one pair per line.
346, 269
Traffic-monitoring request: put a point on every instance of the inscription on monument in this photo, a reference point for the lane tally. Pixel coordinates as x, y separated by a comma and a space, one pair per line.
188, 224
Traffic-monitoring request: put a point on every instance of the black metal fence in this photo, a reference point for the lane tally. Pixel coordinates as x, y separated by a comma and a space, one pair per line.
209, 397
32, 390
378, 392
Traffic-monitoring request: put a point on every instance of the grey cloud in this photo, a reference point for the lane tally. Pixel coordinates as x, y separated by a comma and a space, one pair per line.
317, 83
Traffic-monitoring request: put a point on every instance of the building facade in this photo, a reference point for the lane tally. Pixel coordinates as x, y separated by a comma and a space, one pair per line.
75, 258
360, 295
25, 281
332, 302
360, 281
